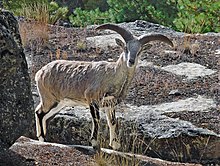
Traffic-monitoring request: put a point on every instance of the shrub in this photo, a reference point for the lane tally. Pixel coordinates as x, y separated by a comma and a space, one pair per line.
82, 18
160, 11
39, 10
198, 16
92, 5
192, 16
71, 4
27, 8
56, 13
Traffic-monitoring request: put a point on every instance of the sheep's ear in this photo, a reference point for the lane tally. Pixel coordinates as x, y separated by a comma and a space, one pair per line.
120, 43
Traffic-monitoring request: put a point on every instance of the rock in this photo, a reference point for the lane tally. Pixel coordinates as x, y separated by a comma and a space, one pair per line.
175, 92
140, 27
57, 154
144, 130
41, 153
144, 160
103, 41
190, 70
199, 103
16, 106
10, 158
174, 139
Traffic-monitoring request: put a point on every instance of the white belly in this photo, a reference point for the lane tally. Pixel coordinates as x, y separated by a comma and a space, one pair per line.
72, 103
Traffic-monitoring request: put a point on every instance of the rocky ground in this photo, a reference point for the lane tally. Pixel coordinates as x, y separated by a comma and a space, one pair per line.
178, 83
165, 75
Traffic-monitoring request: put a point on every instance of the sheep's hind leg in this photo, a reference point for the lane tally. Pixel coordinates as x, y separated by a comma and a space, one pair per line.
41, 115
112, 122
94, 109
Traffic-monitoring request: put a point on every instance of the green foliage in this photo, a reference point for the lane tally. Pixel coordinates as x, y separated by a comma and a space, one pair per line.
192, 16
198, 16
93, 4
56, 13
71, 4
39, 10
17, 6
83, 18
160, 11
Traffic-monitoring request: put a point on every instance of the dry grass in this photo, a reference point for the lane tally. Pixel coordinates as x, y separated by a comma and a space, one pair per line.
81, 45
186, 44
103, 159
189, 45
36, 11
130, 143
34, 30
59, 54
34, 34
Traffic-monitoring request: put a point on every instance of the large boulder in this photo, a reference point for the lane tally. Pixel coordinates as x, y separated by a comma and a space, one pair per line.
16, 103
44, 153
145, 130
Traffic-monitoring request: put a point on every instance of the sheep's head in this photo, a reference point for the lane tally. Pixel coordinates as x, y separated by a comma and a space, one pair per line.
133, 44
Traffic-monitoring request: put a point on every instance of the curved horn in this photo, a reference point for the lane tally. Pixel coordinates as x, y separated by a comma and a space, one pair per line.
123, 32
147, 38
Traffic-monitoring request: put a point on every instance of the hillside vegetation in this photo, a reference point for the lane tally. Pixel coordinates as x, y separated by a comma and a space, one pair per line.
191, 16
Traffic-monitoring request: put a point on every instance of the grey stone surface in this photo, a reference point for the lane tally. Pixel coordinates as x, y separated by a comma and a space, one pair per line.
144, 129
140, 27
199, 103
190, 70
44, 153
41, 153
103, 41
16, 103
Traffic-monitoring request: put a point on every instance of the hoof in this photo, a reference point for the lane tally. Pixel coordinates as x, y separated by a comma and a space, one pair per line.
41, 139
115, 145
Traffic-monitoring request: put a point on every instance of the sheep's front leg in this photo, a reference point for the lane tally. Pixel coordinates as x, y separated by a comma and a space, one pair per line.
42, 114
94, 109
112, 122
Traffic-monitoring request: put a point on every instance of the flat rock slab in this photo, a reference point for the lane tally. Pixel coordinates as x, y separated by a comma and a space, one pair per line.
155, 125
50, 153
103, 41
175, 139
190, 70
45, 153
199, 103
145, 130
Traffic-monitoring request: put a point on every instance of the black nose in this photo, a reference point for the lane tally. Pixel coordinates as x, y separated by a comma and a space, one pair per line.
131, 61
